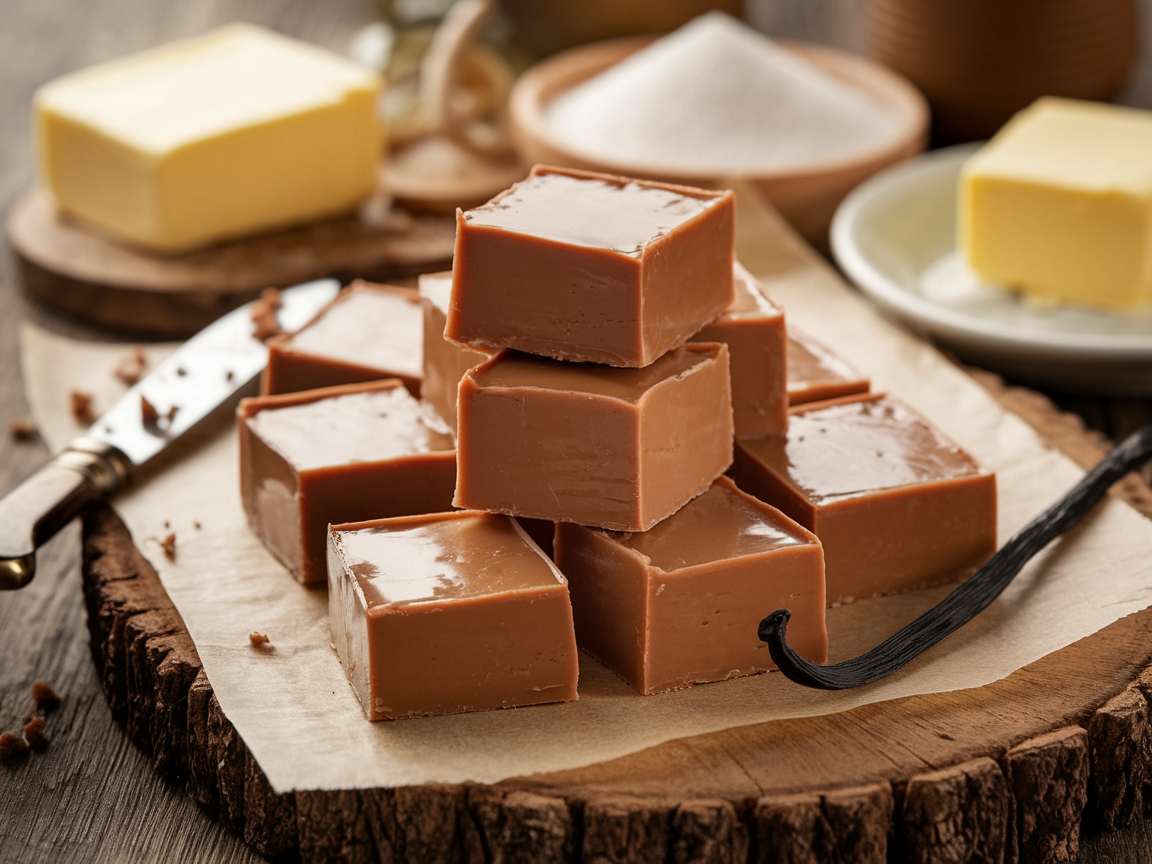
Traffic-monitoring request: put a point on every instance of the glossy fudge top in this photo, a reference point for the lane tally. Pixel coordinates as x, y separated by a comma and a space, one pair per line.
379, 326
751, 301
618, 214
441, 557
839, 451
437, 287
809, 363
722, 523
354, 427
515, 369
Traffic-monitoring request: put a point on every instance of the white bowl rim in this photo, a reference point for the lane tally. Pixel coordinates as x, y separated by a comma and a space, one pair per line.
950, 323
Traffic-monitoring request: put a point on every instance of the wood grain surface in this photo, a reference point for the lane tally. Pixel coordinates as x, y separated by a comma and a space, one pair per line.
96, 797
98, 282
1018, 765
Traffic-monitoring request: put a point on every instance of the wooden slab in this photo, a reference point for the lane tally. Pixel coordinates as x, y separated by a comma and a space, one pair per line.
1005, 772
113, 286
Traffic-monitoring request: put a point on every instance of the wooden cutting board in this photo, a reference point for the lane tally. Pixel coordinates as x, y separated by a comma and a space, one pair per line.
103, 283
1004, 772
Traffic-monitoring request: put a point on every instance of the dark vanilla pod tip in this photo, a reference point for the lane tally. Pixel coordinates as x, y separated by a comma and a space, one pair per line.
970, 598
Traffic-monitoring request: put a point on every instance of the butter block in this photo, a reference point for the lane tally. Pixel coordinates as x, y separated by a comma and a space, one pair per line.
1059, 204
234, 132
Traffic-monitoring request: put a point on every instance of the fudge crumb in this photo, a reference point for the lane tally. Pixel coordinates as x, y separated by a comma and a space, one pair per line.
264, 314
171, 415
45, 697
148, 412
259, 640
181, 371
196, 524
230, 375
131, 368
12, 746
168, 544
22, 429
34, 734
81, 404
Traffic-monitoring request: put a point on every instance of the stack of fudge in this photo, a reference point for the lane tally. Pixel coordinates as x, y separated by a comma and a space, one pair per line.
597, 432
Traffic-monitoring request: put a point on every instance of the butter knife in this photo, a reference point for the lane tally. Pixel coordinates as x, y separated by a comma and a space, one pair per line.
207, 372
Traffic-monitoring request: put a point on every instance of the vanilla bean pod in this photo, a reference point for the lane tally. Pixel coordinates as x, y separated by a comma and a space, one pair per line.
972, 597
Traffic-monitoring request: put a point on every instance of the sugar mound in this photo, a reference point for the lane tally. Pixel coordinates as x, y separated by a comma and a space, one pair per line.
718, 97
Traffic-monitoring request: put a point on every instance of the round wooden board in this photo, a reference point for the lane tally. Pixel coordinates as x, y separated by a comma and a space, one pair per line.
113, 286
1007, 772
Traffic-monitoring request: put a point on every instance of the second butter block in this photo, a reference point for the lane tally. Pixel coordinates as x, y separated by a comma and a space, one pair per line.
591, 267
580, 442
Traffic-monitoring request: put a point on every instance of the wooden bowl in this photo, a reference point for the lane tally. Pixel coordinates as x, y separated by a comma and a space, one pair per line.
806, 196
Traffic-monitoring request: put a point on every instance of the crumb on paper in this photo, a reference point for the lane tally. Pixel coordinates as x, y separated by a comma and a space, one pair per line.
148, 412
168, 545
196, 524
45, 697
22, 429
81, 407
34, 734
181, 371
264, 315
259, 640
171, 415
229, 375
131, 367
12, 746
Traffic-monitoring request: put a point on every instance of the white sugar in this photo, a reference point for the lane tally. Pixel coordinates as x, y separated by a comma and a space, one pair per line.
718, 97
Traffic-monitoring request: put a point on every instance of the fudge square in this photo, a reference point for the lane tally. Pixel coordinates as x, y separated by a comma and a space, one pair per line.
681, 603
368, 332
444, 362
591, 267
897, 505
582, 442
816, 374
338, 454
448, 613
753, 330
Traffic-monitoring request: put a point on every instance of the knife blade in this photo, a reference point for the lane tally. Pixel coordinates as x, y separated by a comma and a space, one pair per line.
205, 373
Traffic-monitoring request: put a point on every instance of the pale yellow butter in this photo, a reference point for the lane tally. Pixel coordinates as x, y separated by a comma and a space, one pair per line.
231, 133
1059, 204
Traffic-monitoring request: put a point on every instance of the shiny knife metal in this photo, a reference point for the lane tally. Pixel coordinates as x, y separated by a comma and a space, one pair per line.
205, 373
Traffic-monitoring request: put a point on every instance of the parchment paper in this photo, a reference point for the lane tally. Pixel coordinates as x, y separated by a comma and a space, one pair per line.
294, 708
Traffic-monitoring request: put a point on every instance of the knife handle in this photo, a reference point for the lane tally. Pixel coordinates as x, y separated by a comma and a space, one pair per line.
88, 471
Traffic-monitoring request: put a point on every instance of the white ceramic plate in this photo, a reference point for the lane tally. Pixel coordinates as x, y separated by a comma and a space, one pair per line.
895, 237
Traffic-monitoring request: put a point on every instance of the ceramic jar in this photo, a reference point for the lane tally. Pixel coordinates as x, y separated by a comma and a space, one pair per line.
980, 61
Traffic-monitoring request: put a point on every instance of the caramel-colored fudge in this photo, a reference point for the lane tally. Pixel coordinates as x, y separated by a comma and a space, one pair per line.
581, 442
338, 454
680, 604
444, 362
753, 330
815, 373
897, 505
591, 267
448, 613
367, 333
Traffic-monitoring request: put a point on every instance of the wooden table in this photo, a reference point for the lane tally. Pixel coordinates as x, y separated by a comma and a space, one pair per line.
93, 796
